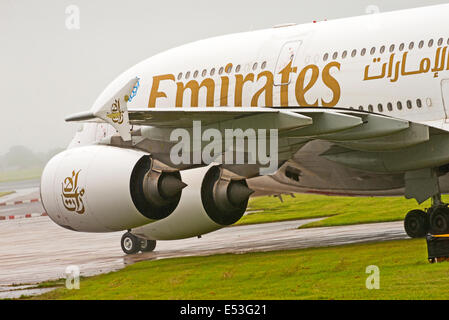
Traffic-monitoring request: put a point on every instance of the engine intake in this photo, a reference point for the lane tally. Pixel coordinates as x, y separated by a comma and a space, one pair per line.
103, 188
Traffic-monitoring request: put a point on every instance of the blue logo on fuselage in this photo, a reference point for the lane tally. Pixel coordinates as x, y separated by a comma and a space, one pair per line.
134, 92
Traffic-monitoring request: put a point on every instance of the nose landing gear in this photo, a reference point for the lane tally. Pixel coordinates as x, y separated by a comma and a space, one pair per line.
131, 244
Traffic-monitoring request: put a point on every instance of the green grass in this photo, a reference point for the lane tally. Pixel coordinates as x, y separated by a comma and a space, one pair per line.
20, 174
337, 210
301, 207
319, 273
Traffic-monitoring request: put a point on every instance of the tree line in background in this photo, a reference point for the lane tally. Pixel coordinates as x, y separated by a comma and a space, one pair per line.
20, 157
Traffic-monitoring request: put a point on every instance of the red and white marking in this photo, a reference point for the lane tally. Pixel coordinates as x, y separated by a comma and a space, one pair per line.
13, 203
23, 216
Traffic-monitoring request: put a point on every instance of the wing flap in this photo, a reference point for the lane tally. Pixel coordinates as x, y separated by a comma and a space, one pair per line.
373, 126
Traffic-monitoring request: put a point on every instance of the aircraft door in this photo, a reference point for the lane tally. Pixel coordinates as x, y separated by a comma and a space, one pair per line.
289, 52
288, 55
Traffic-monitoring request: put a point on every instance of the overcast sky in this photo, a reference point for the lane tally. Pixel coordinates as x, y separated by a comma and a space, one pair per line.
48, 71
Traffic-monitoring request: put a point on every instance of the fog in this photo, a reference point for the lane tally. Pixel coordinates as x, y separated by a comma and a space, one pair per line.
48, 71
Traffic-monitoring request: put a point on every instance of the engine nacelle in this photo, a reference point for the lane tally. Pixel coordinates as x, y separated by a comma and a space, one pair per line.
103, 188
210, 202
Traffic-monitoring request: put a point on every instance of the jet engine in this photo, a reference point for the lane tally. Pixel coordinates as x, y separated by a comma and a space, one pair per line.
211, 201
102, 188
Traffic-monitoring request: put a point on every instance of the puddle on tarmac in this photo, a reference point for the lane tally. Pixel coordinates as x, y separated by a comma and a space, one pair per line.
15, 292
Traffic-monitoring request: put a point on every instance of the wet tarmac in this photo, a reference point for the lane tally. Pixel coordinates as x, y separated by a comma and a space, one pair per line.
20, 209
36, 250
19, 185
23, 191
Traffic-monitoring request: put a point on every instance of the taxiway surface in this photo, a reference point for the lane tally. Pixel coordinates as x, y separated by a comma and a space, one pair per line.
35, 250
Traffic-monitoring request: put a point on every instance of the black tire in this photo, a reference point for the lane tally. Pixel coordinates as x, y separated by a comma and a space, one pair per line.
439, 221
416, 224
130, 243
147, 245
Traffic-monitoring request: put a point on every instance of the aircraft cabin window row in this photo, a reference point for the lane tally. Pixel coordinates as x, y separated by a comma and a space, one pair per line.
382, 49
380, 107
227, 69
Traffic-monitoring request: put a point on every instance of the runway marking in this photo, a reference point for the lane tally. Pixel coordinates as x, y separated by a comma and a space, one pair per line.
13, 203
23, 216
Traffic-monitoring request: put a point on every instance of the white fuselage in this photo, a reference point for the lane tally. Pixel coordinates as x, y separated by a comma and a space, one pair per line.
393, 63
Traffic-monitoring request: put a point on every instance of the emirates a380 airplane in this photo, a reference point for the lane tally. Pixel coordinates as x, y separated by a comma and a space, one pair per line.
356, 106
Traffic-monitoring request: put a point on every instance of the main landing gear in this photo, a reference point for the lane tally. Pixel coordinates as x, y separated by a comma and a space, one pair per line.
435, 220
132, 244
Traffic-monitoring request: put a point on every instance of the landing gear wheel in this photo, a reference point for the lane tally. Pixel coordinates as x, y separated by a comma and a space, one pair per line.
147, 245
130, 243
439, 221
416, 224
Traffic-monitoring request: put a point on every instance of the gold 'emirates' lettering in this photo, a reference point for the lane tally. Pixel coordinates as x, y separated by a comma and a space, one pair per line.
285, 82
224, 91
208, 84
300, 90
194, 87
332, 84
239, 83
267, 88
155, 89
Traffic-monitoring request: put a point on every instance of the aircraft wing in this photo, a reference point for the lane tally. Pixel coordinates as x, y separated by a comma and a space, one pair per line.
351, 142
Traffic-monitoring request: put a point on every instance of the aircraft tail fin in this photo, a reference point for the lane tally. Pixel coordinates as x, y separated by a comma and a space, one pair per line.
114, 111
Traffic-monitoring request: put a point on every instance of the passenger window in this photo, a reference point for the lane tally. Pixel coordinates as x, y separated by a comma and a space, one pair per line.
390, 106
399, 105
237, 69
180, 76
430, 43
362, 53
419, 103
212, 71
440, 41
255, 66
195, 74
335, 55
411, 45
373, 50
361, 108
382, 49
421, 44
401, 47
204, 73
264, 64
344, 55
380, 107
188, 75
392, 48
409, 104
370, 108
354, 52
